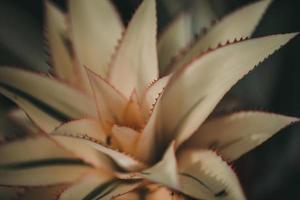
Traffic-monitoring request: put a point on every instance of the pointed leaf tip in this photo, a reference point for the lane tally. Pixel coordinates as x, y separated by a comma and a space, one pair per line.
212, 74
236, 134
61, 57
135, 64
238, 24
93, 45
205, 175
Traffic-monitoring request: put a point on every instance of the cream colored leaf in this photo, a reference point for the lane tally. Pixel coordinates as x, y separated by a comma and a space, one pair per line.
236, 134
30, 150
45, 121
88, 127
204, 175
84, 127
146, 148
96, 29
135, 63
239, 24
194, 91
125, 137
86, 133
86, 152
123, 160
57, 96
133, 116
97, 185
85, 186
110, 102
43, 174
152, 94
61, 54
165, 171
40, 158
173, 39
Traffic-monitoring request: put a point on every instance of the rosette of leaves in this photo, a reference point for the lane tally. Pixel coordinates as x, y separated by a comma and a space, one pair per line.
124, 115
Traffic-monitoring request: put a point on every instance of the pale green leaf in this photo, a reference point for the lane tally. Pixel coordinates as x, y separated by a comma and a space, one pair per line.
173, 39
203, 13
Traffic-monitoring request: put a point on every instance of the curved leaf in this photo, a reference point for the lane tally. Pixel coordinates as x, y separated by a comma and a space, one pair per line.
173, 39
31, 149
61, 54
37, 114
125, 137
96, 29
97, 185
83, 134
44, 175
236, 134
163, 172
204, 175
135, 63
110, 102
83, 128
163, 193
198, 87
65, 100
237, 25
19, 117
152, 94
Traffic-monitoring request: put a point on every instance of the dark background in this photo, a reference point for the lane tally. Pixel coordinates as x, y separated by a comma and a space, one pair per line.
272, 171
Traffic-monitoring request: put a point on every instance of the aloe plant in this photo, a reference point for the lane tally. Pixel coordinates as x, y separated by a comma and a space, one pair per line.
117, 120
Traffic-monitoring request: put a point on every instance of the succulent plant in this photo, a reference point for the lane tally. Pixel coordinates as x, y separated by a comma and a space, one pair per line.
124, 116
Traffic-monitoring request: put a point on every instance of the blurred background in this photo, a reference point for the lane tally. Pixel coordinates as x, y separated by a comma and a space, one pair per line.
272, 171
